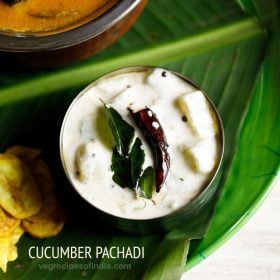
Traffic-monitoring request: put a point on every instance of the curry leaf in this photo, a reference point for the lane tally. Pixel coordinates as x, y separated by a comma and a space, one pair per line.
123, 132
147, 182
127, 169
121, 166
126, 164
137, 157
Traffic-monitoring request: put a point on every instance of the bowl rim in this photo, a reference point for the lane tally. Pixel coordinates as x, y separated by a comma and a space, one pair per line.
21, 42
189, 207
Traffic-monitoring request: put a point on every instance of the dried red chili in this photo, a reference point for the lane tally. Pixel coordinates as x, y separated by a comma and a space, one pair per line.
147, 121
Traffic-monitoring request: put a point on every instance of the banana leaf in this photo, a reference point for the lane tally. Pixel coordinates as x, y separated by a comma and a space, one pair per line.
231, 50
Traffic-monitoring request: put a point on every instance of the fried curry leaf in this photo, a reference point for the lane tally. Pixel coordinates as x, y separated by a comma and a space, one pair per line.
121, 166
137, 157
123, 132
126, 163
147, 182
127, 169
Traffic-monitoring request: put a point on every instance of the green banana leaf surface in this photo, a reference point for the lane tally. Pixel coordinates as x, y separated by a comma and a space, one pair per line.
232, 50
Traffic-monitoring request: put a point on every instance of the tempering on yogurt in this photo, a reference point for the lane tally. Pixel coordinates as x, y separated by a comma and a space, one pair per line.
191, 131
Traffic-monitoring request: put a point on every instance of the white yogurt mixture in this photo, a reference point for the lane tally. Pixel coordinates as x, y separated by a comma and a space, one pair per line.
190, 127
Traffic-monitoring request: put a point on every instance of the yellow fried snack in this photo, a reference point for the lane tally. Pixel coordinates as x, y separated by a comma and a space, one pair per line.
7, 223
37, 166
28, 155
8, 250
43, 177
27, 200
4, 252
19, 194
45, 227
50, 220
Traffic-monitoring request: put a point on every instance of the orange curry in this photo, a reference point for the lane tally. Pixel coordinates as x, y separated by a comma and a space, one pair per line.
33, 16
